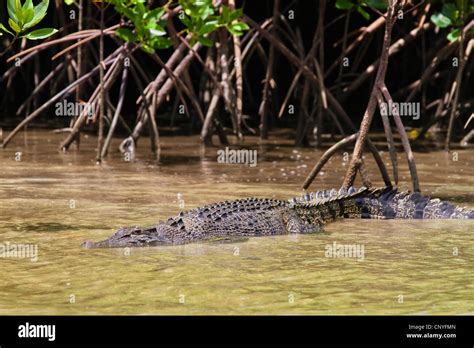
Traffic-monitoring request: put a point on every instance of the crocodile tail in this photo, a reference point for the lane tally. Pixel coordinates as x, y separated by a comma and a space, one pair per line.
391, 204
378, 203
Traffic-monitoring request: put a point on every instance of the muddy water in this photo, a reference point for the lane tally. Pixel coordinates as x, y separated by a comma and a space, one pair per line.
56, 201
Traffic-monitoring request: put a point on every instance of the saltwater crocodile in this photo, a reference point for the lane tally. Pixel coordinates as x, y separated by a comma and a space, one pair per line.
263, 217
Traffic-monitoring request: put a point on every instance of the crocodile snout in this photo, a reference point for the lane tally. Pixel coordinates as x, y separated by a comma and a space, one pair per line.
87, 245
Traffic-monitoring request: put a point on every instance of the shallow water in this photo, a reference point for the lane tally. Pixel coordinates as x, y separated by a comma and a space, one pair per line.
56, 201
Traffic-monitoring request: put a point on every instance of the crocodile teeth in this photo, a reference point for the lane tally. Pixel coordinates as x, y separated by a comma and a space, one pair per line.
362, 189
333, 193
351, 190
307, 196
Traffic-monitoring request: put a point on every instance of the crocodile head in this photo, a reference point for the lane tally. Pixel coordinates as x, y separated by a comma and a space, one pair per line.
160, 234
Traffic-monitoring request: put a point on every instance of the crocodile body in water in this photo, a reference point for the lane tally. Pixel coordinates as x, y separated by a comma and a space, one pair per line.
263, 217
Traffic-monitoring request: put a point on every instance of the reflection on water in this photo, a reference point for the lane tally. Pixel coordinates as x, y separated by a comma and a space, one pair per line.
56, 201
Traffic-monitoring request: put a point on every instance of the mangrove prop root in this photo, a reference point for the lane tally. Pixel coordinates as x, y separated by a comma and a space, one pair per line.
326, 156
369, 113
404, 138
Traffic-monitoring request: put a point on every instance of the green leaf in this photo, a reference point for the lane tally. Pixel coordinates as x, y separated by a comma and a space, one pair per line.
454, 35
157, 31
344, 4
234, 32
11, 7
161, 43
378, 4
69, 2
206, 12
209, 27
187, 22
225, 14
2, 27
28, 5
363, 12
126, 35
240, 26
237, 28
39, 14
14, 25
205, 41
155, 14
19, 13
28, 16
441, 20
236, 14
39, 34
450, 11
148, 49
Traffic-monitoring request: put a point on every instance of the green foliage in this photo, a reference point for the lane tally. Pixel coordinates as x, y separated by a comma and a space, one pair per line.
201, 19
453, 16
146, 27
23, 17
359, 5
